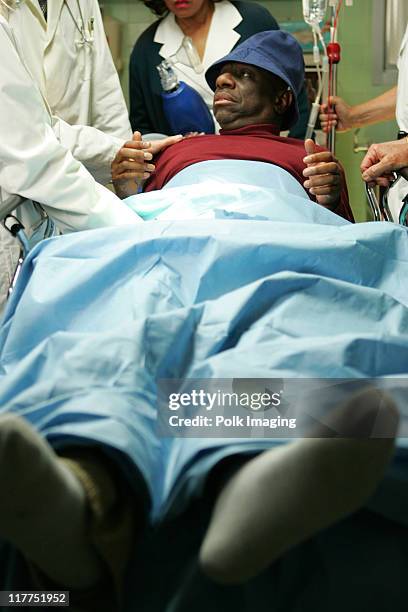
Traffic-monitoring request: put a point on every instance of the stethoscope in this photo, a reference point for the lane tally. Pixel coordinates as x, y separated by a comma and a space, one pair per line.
9, 7
86, 32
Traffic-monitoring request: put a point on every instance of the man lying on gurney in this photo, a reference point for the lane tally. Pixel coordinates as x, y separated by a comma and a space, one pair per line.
256, 88
73, 515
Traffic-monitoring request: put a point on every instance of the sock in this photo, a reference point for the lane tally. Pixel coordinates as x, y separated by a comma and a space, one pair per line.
289, 493
43, 507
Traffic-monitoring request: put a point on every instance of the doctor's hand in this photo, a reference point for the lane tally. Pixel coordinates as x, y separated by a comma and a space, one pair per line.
339, 115
132, 162
324, 179
383, 159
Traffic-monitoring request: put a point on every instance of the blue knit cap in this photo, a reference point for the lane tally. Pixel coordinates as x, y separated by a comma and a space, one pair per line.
275, 51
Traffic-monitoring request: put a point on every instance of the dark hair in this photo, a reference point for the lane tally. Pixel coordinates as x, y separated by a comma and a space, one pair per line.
159, 8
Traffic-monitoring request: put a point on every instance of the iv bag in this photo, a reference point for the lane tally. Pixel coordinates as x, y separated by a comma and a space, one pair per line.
314, 11
187, 55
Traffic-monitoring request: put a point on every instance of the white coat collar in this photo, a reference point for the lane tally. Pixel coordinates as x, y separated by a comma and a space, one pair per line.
53, 15
221, 36
34, 7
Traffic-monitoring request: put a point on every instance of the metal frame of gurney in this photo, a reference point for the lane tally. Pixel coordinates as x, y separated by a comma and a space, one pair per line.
13, 225
380, 208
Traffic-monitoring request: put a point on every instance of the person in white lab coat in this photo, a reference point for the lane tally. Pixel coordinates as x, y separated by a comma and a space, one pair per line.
35, 166
66, 51
37, 149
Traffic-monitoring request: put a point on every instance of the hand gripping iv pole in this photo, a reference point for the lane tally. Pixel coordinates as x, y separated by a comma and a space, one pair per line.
314, 12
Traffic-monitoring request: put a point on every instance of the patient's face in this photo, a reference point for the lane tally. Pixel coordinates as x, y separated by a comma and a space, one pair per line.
246, 95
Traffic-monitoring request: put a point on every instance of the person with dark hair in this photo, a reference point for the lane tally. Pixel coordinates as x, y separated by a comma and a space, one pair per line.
215, 28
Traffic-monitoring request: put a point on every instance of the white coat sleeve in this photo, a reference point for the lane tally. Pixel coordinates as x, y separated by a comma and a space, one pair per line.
34, 165
90, 146
109, 111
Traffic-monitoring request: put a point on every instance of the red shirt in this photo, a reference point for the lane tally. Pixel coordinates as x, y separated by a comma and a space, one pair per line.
253, 142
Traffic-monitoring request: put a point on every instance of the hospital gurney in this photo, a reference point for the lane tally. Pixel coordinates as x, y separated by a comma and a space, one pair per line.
195, 297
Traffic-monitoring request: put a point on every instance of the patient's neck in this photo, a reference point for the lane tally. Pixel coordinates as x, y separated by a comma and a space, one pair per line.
271, 128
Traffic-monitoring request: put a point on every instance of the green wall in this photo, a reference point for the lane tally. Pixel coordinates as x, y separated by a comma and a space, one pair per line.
355, 86
354, 73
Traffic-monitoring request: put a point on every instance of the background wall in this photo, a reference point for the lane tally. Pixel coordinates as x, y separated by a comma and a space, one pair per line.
355, 85
354, 74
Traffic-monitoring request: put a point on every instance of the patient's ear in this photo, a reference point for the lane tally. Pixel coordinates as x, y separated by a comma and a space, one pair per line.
283, 102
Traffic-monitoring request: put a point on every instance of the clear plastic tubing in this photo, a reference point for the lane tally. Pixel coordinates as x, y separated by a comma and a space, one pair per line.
192, 54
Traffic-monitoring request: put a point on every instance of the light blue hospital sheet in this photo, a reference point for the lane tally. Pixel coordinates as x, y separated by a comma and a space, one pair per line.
222, 187
264, 284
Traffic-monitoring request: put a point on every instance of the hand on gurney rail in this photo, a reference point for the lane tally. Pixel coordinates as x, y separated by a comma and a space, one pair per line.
131, 164
383, 159
324, 179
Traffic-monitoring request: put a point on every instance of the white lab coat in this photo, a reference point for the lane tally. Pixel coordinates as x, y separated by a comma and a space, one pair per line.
34, 165
69, 58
